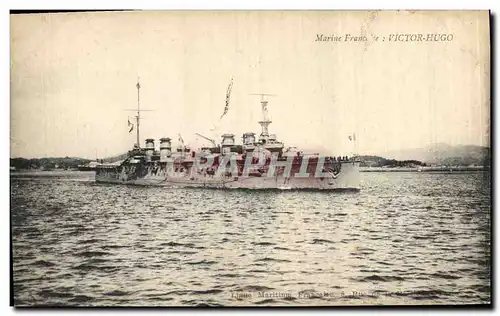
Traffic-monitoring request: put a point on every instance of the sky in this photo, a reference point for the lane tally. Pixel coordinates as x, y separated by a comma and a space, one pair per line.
73, 75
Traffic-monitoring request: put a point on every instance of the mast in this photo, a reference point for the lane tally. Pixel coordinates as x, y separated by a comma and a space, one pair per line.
265, 115
138, 117
265, 118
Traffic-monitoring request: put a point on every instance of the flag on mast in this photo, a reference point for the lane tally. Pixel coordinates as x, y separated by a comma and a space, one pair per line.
228, 97
130, 125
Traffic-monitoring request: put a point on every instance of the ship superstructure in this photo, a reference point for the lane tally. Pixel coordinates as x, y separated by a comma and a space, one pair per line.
257, 163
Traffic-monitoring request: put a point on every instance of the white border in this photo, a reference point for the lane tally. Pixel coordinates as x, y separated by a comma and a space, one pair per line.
258, 5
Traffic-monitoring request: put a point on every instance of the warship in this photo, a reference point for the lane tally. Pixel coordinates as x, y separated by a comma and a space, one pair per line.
256, 163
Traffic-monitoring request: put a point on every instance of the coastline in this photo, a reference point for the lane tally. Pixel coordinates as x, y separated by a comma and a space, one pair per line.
425, 169
35, 172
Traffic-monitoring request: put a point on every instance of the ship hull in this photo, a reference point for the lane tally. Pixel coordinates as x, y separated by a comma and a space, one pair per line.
347, 179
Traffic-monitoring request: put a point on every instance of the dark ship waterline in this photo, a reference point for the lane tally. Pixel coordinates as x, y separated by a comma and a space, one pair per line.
261, 163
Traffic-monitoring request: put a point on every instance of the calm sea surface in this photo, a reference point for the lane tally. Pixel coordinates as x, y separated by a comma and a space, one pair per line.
406, 238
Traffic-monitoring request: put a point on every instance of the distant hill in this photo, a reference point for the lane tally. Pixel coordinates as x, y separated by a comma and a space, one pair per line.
444, 154
58, 162
377, 161
48, 163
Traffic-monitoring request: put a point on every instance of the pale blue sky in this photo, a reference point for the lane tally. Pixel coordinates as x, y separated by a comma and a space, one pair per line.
73, 74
